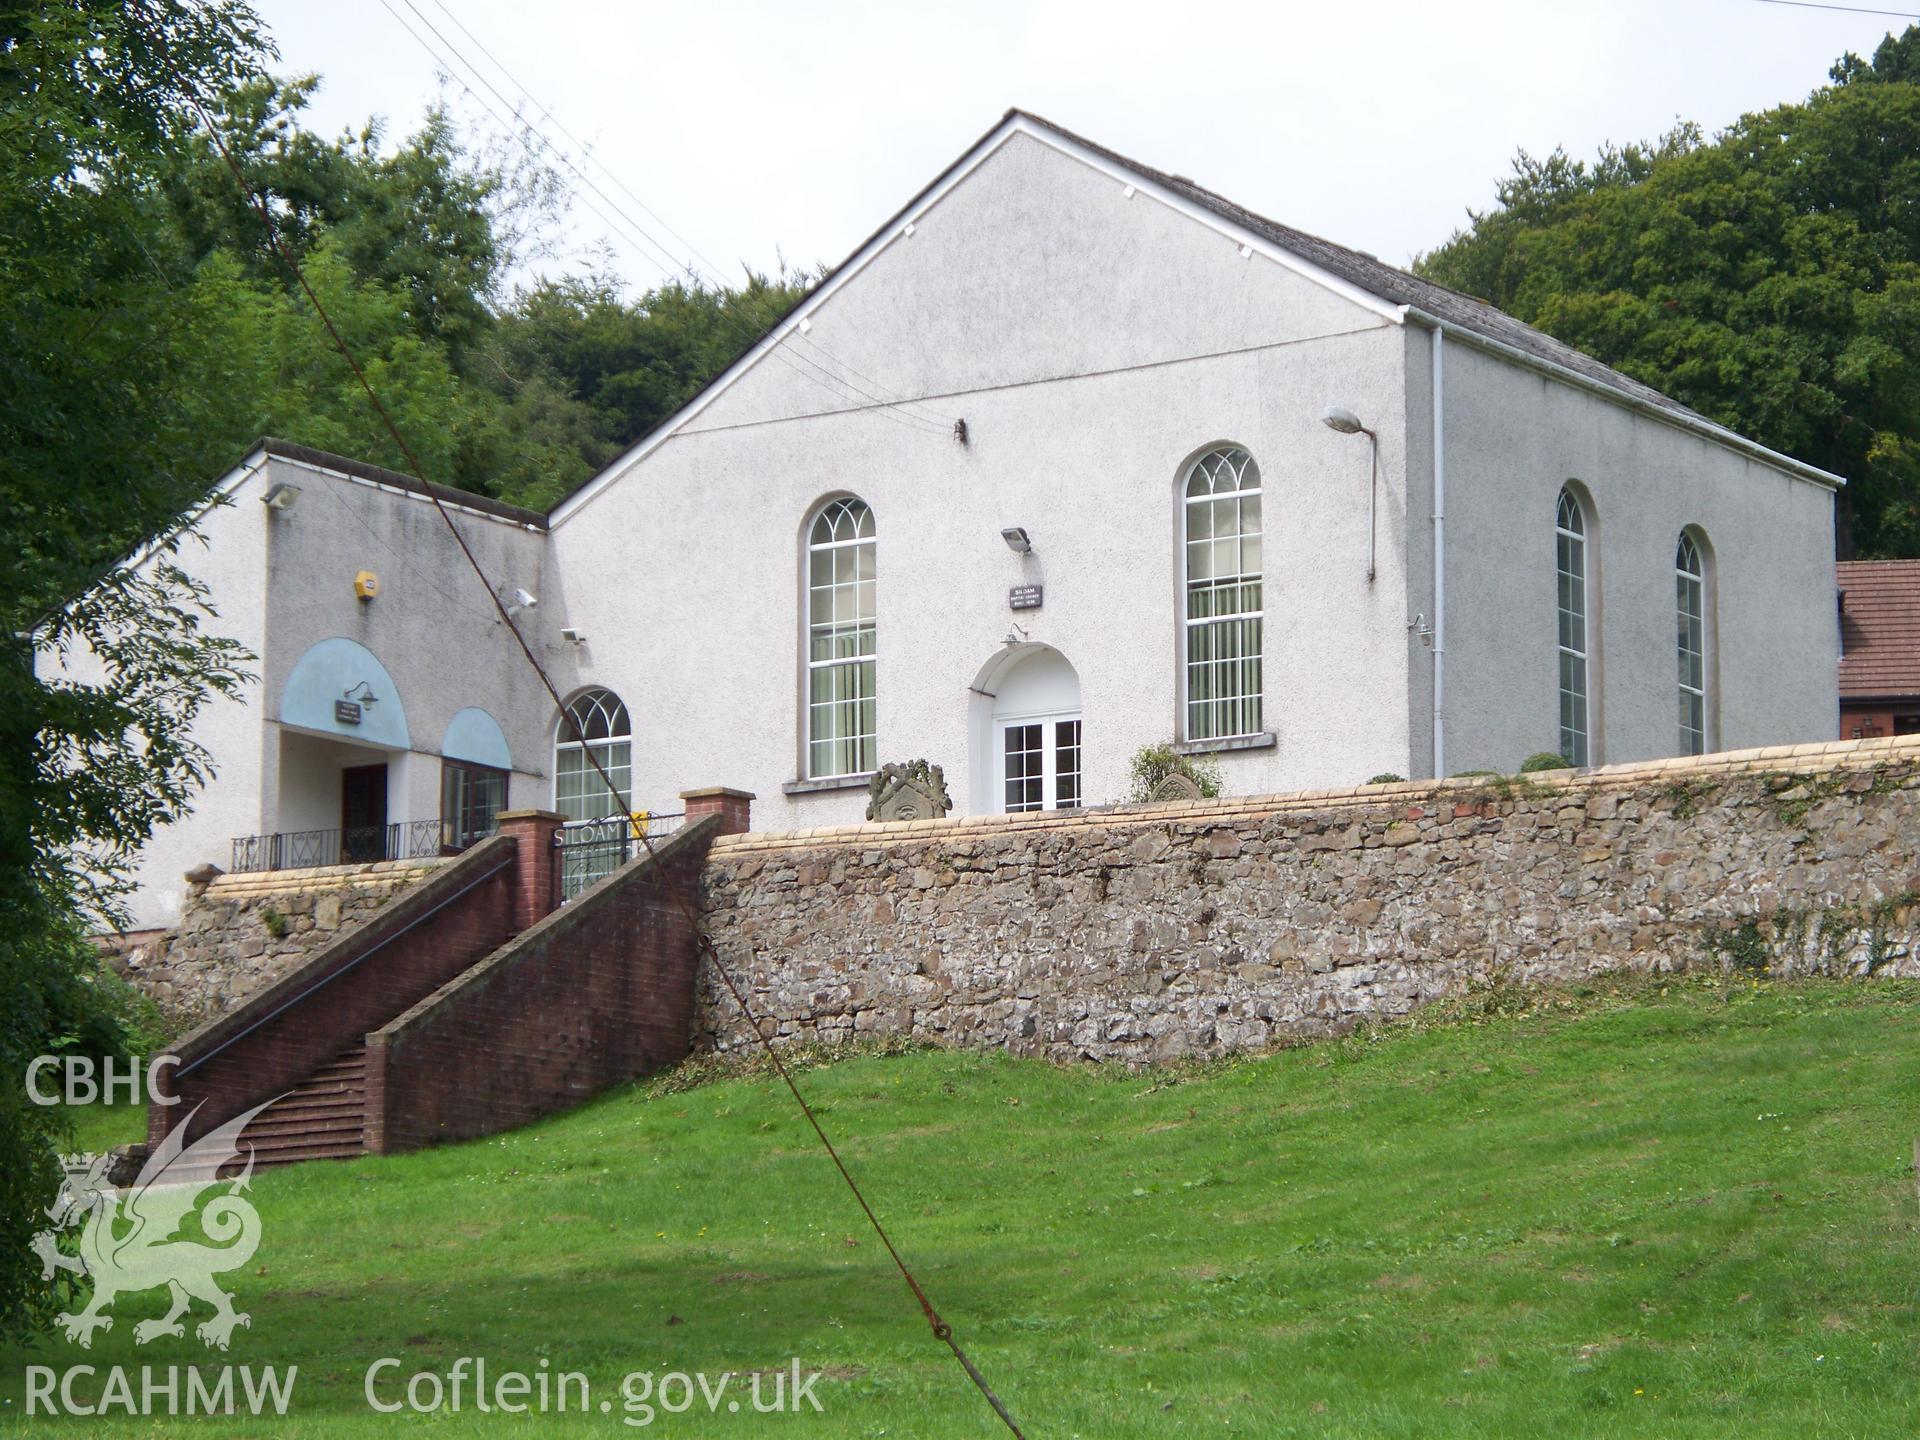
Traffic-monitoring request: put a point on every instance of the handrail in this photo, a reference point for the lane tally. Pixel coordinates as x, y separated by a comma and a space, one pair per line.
194, 1064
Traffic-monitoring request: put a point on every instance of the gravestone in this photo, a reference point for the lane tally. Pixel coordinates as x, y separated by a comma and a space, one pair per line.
1175, 787
913, 791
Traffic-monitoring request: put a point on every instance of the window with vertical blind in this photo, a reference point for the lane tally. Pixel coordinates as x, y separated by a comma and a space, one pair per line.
841, 715
1220, 517
1570, 543
1690, 607
595, 725
471, 799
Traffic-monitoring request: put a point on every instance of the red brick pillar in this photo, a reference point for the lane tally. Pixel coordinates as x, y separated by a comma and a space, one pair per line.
734, 807
533, 832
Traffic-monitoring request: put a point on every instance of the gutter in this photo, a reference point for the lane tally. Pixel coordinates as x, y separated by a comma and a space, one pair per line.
1697, 425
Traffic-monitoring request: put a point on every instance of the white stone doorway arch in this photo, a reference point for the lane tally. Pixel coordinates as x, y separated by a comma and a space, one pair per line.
1024, 733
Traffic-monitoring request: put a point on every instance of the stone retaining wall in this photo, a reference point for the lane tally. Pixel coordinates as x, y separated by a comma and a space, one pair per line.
242, 932
1147, 933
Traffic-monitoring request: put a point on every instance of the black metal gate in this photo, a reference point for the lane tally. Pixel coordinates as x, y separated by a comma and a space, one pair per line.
587, 851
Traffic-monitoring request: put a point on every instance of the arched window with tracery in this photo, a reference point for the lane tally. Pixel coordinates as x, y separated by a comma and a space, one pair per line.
842, 720
1223, 671
1690, 607
595, 725
1570, 537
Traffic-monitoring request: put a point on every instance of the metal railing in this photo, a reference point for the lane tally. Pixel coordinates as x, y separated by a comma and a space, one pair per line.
586, 851
354, 845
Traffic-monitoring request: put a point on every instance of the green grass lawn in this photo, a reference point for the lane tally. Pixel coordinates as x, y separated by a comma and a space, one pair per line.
1668, 1212
101, 1127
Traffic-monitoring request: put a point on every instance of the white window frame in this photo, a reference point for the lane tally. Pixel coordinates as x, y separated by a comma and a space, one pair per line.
866, 744
1576, 744
1188, 624
1690, 607
1049, 761
618, 734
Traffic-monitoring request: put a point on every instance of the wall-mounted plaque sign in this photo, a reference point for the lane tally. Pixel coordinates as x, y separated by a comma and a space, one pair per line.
347, 712
1025, 597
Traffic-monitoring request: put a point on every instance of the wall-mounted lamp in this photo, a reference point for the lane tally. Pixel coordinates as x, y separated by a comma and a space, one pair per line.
572, 636
361, 694
1016, 635
1343, 420
1017, 541
280, 497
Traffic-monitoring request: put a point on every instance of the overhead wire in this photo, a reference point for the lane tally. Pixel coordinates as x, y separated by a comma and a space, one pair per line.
942, 1330
1844, 9
747, 332
832, 384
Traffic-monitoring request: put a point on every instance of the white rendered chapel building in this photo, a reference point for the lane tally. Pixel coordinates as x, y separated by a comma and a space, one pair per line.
1070, 458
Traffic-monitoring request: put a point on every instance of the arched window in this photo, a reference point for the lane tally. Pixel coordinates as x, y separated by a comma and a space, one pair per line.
841, 719
1690, 595
1570, 534
595, 724
1224, 682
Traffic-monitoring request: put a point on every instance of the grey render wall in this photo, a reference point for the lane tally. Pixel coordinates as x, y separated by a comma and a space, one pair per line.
1513, 439
282, 582
1229, 925
1093, 344
432, 625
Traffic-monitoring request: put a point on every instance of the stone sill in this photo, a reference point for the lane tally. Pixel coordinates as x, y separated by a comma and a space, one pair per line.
1265, 740
835, 782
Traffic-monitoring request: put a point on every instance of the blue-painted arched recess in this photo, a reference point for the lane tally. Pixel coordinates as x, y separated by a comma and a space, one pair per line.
341, 669
475, 736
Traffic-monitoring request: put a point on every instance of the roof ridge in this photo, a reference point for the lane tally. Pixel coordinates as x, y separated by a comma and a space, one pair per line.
1319, 250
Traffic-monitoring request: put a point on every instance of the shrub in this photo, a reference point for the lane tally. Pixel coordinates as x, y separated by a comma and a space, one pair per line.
1153, 763
1544, 760
1388, 778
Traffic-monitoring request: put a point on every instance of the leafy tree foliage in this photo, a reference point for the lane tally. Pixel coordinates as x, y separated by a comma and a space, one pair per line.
95, 436
521, 396
1768, 277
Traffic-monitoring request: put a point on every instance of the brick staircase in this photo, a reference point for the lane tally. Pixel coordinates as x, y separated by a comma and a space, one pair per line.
322, 1118
467, 1004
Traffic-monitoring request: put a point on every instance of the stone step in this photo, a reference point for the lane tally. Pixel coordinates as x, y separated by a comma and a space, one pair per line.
341, 1121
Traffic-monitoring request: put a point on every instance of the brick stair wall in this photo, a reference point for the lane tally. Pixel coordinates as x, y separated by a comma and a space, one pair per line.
597, 993
296, 1036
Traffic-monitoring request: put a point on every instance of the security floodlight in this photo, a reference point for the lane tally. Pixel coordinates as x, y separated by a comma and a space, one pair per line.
1338, 417
1017, 541
572, 636
280, 497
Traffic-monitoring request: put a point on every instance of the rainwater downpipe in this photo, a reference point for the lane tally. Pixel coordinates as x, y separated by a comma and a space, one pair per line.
1439, 555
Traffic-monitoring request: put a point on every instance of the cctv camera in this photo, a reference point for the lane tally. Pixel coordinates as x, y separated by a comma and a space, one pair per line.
524, 600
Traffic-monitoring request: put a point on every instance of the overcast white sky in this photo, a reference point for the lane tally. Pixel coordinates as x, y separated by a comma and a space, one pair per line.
798, 128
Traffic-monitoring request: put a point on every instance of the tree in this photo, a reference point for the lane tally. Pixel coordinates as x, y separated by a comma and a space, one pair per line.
1769, 278
93, 432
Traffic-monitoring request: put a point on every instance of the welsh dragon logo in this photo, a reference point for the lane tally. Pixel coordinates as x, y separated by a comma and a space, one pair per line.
130, 1242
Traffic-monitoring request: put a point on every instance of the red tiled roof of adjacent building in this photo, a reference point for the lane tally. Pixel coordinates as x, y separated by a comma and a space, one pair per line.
1880, 629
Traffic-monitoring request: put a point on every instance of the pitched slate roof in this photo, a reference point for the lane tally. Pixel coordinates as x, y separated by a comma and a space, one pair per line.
1879, 629
1396, 286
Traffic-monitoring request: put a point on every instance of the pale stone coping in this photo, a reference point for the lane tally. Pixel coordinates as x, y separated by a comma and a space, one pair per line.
1795, 759
320, 877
